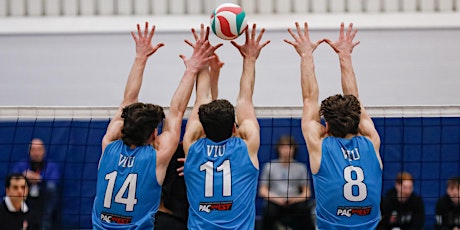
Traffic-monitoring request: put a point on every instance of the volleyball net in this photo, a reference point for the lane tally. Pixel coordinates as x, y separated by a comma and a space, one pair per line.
422, 140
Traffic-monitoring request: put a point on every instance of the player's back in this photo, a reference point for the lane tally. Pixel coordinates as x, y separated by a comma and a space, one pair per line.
128, 193
221, 183
348, 184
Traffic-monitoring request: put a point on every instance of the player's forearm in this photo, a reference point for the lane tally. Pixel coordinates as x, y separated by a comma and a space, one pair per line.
349, 84
183, 92
203, 85
308, 78
214, 74
247, 79
134, 82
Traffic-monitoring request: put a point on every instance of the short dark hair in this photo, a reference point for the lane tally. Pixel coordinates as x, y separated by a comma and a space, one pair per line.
342, 113
287, 140
403, 176
453, 181
140, 120
15, 176
217, 119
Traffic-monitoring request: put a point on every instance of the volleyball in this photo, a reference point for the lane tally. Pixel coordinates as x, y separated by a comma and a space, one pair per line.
228, 21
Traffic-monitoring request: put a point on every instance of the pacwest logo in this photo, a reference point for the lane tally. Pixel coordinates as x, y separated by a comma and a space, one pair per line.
112, 218
218, 206
349, 211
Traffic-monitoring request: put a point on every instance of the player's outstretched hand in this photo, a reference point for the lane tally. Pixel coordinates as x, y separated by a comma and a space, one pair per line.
301, 41
203, 51
252, 46
143, 39
345, 43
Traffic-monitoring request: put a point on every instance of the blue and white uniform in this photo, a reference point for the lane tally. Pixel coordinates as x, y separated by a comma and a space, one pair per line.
221, 183
128, 193
348, 184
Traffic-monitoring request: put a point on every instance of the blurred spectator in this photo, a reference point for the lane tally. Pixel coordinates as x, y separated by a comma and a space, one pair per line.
44, 177
401, 208
284, 184
13, 210
448, 207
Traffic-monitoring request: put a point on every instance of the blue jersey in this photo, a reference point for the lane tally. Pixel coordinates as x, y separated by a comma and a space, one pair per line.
221, 183
348, 184
127, 192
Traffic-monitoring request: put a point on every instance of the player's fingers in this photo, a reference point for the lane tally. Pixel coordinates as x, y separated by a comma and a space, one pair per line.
292, 34
139, 33
146, 30
342, 28
134, 36
152, 32
194, 34
253, 32
350, 29
305, 30
264, 44
207, 33
260, 35
189, 43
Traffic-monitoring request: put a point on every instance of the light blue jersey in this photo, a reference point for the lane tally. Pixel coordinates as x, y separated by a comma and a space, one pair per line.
128, 193
348, 184
221, 185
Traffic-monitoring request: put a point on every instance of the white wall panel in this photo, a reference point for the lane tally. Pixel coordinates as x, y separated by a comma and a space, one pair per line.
3, 8
446, 5
265, 6
87, 7
301, 6
428, 5
373, 6
17, 8
124, 7
390, 6
91, 69
141, 7
249, 6
177, 6
355, 6
106, 7
319, 6
194, 6
409, 5
337, 6
282, 6
70, 7
34, 8
159, 7
53, 7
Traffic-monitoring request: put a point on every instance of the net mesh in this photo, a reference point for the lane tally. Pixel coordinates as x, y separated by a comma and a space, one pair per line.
423, 140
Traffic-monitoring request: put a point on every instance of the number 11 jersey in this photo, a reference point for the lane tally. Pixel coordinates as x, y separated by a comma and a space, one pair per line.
221, 183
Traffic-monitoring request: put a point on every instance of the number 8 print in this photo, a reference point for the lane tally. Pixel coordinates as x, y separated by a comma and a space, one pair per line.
348, 187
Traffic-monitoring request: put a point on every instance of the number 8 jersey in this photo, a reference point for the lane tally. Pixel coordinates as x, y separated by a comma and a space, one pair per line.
348, 184
128, 193
221, 183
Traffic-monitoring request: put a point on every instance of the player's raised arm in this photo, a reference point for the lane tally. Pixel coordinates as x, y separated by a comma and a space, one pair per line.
202, 53
214, 71
144, 49
311, 127
194, 129
344, 47
249, 128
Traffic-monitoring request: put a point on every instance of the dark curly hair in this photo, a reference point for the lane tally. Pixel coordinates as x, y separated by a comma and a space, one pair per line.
217, 119
342, 113
140, 120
